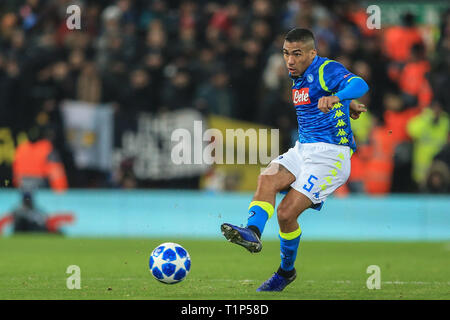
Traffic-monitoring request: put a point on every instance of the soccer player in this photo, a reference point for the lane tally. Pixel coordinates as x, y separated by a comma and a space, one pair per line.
317, 165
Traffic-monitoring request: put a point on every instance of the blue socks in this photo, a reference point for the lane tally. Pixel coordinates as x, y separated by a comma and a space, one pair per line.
259, 212
289, 243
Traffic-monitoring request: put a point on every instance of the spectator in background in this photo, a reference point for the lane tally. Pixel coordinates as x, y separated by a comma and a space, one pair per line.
356, 180
205, 64
113, 82
438, 179
153, 10
246, 80
178, 90
380, 82
89, 86
114, 51
260, 29
399, 39
61, 82
28, 218
274, 88
10, 86
138, 95
124, 176
396, 118
215, 96
412, 78
187, 43
76, 61
379, 165
29, 12
109, 41
349, 45
273, 72
37, 164
17, 48
156, 38
440, 75
429, 131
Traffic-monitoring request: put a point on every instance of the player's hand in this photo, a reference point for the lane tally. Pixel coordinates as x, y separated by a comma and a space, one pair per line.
356, 109
325, 104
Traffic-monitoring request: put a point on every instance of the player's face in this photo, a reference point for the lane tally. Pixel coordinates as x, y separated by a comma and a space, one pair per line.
298, 56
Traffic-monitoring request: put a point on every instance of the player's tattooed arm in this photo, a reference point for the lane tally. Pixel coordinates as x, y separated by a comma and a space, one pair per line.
356, 109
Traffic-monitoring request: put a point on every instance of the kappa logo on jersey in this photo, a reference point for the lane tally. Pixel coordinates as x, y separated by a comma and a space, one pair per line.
300, 96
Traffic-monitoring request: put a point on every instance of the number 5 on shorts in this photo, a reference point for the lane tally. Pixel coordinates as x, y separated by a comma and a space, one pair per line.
311, 184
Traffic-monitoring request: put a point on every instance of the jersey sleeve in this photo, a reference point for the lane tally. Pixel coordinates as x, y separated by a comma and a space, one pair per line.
333, 76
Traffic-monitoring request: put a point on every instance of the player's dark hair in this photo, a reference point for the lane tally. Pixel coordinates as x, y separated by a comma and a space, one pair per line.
299, 34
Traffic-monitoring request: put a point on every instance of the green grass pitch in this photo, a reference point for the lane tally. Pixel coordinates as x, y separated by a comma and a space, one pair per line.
34, 267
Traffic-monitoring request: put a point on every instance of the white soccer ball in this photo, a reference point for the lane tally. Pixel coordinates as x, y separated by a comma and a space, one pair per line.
170, 263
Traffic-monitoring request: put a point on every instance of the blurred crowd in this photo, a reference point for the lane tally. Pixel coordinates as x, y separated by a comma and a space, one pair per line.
224, 57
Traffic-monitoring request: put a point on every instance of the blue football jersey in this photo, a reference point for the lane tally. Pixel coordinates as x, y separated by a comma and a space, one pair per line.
324, 77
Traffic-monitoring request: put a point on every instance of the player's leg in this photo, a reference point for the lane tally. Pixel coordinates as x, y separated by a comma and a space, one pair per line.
273, 179
325, 168
288, 211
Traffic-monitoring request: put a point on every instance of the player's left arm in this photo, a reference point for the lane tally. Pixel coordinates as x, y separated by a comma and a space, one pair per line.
356, 108
334, 77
